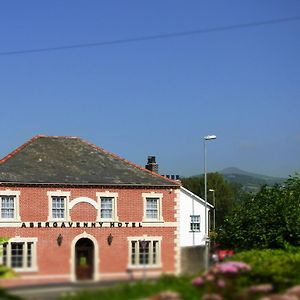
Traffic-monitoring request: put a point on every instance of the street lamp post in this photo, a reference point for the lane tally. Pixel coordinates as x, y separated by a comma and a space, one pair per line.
214, 204
206, 258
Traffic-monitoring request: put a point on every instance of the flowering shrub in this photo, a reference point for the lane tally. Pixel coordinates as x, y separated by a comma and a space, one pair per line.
220, 279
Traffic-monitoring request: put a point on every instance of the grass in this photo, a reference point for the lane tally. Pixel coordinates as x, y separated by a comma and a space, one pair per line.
141, 289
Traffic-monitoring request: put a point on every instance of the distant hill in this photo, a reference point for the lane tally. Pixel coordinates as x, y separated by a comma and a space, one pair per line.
250, 182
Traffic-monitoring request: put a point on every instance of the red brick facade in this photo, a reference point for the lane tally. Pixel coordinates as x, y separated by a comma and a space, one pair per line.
56, 263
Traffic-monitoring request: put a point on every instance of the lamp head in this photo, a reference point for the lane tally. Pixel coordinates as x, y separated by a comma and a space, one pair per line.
210, 137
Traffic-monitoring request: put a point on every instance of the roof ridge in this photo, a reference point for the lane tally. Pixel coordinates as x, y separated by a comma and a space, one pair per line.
20, 148
61, 137
128, 162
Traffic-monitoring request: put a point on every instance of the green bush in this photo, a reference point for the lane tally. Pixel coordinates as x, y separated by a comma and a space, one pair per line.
278, 267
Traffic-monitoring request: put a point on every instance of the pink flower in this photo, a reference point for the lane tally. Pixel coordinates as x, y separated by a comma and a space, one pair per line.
198, 281
241, 265
232, 267
221, 283
227, 268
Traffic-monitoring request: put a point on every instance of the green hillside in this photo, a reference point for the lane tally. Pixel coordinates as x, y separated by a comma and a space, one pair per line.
250, 182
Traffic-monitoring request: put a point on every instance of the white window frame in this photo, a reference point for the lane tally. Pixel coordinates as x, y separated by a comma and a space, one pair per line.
159, 197
25, 241
150, 239
114, 197
191, 218
16, 195
58, 193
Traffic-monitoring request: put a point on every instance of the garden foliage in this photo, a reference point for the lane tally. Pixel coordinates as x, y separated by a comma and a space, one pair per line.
270, 219
278, 267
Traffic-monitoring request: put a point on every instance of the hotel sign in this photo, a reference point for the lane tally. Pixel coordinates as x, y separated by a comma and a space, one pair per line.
80, 224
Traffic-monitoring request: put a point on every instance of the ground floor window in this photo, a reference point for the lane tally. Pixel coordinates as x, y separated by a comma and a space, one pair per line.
145, 252
19, 254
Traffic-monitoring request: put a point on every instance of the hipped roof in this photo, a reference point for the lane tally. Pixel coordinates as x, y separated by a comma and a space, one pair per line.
71, 160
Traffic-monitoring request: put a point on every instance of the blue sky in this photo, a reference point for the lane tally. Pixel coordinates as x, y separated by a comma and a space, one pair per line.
156, 97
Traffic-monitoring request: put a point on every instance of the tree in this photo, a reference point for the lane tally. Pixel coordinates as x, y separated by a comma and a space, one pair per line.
269, 219
224, 192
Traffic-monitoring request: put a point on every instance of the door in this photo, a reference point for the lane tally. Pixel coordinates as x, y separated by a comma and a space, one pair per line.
84, 256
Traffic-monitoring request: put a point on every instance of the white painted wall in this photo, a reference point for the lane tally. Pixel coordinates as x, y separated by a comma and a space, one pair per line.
191, 204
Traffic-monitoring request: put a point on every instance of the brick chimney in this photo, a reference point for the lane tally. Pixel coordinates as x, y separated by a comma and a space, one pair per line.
151, 164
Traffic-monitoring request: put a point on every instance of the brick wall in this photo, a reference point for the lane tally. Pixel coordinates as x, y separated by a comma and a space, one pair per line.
55, 261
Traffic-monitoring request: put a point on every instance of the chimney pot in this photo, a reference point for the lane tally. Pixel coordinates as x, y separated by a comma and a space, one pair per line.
151, 164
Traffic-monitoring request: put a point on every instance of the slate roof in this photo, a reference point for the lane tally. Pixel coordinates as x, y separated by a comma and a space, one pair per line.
70, 160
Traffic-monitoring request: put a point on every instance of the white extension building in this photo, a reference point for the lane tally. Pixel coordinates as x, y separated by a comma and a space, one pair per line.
192, 231
192, 219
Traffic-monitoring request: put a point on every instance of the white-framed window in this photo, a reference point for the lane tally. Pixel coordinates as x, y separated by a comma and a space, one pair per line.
58, 207
9, 206
106, 207
58, 202
20, 254
107, 202
152, 207
144, 252
195, 223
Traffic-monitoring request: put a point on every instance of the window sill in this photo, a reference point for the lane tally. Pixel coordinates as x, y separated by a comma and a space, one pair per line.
10, 220
141, 267
24, 270
107, 220
153, 221
58, 220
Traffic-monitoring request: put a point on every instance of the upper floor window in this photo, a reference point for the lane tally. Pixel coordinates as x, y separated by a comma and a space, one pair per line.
108, 205
9, 205
20, 254
195, 223
58, 207
152, 207
106, 209
58, 202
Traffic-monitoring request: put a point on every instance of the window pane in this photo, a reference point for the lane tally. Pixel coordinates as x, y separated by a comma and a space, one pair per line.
17, 255
144, 252
133, 252
195, 227
106, 202
29, 254
195, 219
154, 252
